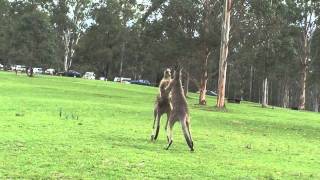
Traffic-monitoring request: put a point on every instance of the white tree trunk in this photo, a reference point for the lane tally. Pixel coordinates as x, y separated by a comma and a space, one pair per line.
265, 92
251, 83
316, 104
224, 53
316, 99
69, 47
303, 80
66, 41
286, 96
122, 59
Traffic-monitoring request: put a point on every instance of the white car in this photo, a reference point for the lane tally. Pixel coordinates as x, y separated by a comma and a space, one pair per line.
1, 66
89, 75
21, 68
50, 71
103, 79
122, 80
37, 70
12, 68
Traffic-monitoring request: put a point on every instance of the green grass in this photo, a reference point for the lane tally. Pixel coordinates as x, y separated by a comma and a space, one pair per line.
104, 132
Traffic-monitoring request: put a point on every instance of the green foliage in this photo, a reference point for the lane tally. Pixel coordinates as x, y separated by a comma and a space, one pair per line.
28, 35
315, 54
4, 28
100, 46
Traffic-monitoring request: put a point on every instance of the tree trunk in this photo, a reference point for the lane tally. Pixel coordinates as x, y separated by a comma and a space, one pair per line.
259, 94
186, 87
224, 53
251, 83
271, 93
66, 61
286, 96
265, 93
229, 82
66, 42
316, 99
316, 104
204, 69
70, 40
105, 69
304, 61
203, 83
122, 58
302, 97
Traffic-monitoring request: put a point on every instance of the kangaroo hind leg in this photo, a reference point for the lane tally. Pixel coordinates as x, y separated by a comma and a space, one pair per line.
186, 132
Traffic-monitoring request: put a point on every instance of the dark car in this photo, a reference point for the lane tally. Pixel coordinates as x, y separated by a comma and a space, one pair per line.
211, 93
141, 82
70, 73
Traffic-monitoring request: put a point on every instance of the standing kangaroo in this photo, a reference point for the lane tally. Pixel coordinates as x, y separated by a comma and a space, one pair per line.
162, 104
179, 111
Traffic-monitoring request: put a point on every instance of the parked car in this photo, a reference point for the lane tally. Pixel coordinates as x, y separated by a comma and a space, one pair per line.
21, 68
70, 73
234, 100
141, 82
103, 79
122, 80
37, 70
211, 93
1, 66
89, 75
50, 71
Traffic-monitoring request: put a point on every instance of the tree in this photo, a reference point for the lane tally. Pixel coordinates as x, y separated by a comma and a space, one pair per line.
30, 38
102, 44
70, 18
305, 18
315, 70
224, 53
4, 30
206, 53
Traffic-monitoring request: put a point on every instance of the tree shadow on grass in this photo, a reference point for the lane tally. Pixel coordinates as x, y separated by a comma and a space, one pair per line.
209, 108
142, 144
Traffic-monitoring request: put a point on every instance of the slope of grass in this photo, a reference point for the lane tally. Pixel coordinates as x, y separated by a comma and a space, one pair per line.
54, 127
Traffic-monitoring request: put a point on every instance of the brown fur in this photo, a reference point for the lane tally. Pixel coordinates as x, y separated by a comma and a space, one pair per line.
180, 111
162, 104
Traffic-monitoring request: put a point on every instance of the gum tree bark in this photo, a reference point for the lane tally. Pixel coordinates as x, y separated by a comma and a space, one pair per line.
224, 53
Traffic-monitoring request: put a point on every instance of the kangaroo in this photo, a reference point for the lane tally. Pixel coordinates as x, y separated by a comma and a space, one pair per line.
180, 111
162, 104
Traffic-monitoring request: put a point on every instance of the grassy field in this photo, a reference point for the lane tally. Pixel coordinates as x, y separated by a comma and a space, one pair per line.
55, 127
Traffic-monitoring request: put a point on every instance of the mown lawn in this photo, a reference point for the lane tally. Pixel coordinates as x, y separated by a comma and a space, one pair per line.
67, 128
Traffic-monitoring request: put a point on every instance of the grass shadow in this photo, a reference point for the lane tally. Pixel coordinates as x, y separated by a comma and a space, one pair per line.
209, 108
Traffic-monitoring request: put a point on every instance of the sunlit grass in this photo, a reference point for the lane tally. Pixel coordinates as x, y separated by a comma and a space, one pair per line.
54, 127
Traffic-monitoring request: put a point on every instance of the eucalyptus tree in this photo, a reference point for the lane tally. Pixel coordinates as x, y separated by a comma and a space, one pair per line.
70, 18
4, 30
315, 70
304, 16
224, 48
30, 36
101, 43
